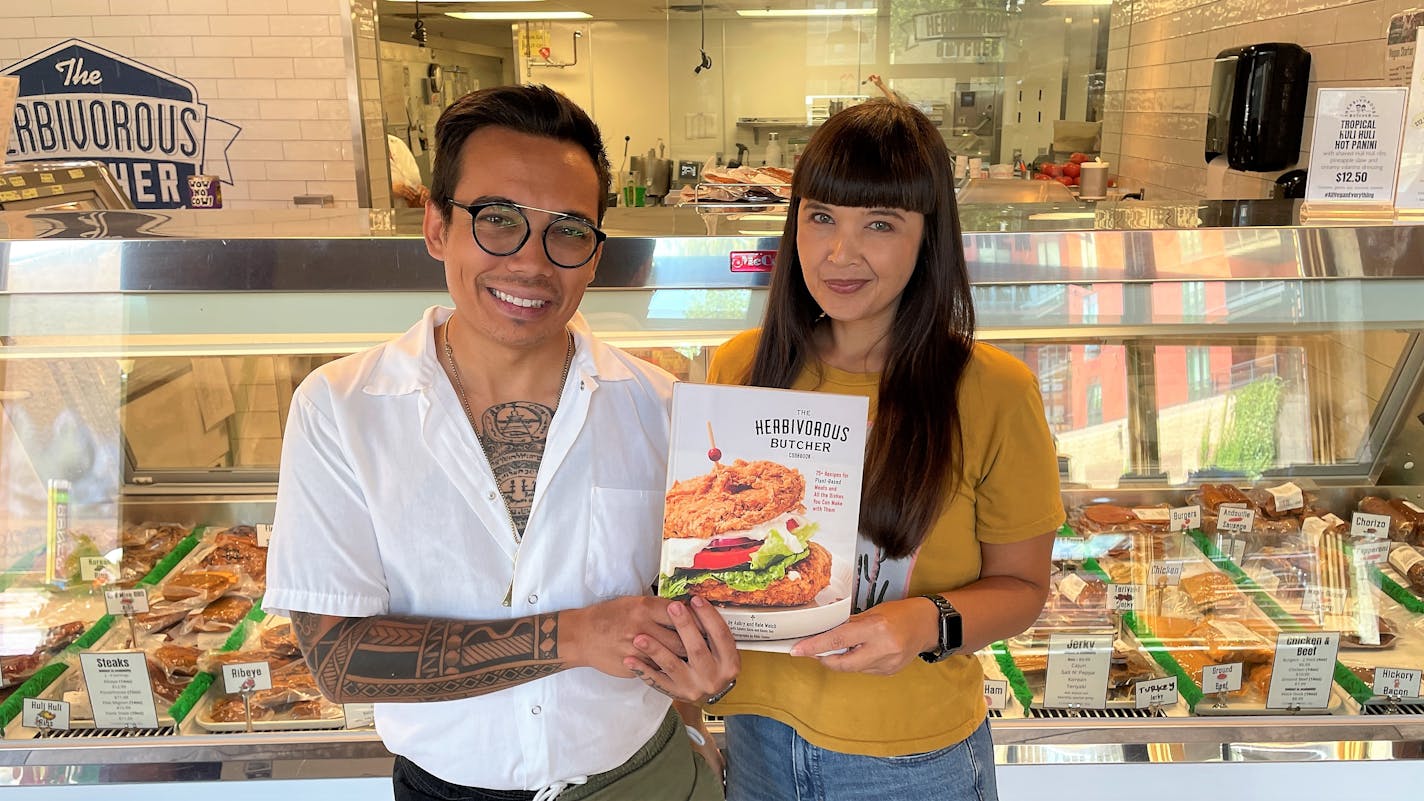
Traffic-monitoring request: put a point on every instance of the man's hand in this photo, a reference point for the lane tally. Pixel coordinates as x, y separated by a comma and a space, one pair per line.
705, 663
881, 640
601, 636
701, 739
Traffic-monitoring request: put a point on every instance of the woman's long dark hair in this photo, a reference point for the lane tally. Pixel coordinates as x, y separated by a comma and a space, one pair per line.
887, 154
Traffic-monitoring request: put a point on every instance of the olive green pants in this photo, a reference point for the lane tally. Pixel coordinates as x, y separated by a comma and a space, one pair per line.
664, 769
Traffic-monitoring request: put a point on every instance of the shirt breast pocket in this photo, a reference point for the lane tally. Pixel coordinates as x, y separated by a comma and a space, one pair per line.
625, 537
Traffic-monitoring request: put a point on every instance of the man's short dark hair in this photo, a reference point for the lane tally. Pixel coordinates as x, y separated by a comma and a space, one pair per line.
535, 110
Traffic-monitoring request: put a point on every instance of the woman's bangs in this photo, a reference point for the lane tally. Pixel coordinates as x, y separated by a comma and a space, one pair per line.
861, 171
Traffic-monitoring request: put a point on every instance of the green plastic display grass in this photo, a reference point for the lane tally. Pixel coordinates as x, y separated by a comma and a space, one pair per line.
1395, 590
1352, 684
32, 687
167, 563
23, 565
1187, 687
200, 684
88, 638
1015, 676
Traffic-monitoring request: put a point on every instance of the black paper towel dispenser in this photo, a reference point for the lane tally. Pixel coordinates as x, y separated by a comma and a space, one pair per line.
1257, 106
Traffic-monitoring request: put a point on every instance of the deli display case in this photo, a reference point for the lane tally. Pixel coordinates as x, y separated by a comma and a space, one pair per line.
1236, 400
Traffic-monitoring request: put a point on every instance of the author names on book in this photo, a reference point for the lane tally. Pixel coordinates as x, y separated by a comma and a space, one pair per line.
828, 491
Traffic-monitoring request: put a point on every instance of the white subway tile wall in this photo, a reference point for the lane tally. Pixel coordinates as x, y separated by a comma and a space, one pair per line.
275, 68
1160, 55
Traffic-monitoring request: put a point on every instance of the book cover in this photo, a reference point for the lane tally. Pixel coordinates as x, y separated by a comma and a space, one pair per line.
763, 506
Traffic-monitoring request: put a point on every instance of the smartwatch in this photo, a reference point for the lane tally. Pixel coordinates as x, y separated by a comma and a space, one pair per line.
951, 630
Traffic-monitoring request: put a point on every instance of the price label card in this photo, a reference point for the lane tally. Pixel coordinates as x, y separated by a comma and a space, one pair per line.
1155, 692
1397, 683
45, 715
359, 716
1153, 514
1221, 678
264, 535
126, 602
246, 677
1123, 598
1185, 517
96, 568
1235, 520
1355, 146
1370, 527
1303, 670
996, 694
1078, 666
1070, 549
119, 689
1166, 572
1374, 552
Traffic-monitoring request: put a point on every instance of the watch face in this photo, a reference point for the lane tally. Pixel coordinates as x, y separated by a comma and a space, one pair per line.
952, 631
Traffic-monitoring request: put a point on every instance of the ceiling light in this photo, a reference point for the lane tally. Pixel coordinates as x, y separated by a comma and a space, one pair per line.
807, 12
518, 15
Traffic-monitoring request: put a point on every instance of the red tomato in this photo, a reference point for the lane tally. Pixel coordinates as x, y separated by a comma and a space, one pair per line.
1079, 158
1072, 170
1045, 168
1042, 176
722, 558
1066, 181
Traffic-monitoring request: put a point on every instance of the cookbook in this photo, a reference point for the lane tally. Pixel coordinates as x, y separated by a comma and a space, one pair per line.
762, 508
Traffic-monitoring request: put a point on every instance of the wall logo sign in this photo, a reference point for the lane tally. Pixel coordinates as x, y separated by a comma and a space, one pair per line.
79, 101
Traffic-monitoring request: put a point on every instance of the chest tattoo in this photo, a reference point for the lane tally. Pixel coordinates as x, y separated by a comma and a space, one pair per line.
513, 436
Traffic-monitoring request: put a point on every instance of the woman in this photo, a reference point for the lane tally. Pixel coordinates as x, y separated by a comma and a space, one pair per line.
870, 296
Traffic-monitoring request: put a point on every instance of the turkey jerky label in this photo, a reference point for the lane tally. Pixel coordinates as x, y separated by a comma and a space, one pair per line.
879, 578
1303, 670
246, 677
1224, 678
1185, 517
1396, 683
1368, 526
1288, 496
119, 689
996, 694
47, 715
126, 602
1155, 692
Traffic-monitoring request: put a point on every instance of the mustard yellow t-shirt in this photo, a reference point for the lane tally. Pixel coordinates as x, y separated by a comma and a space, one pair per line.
1008, 493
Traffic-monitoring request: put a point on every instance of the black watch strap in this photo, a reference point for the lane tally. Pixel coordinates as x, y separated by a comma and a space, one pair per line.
951, 630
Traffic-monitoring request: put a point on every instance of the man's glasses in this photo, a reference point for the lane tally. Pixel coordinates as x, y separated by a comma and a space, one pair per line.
501, 228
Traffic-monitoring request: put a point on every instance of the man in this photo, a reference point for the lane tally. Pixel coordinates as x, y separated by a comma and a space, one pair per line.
469, 515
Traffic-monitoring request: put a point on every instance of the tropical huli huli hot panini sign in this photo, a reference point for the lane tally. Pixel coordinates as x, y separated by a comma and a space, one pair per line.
762, 508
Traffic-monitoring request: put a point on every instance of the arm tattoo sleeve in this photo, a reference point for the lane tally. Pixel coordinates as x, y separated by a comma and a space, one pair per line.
392, 659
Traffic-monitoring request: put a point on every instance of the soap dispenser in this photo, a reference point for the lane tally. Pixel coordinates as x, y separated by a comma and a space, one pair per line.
773, 150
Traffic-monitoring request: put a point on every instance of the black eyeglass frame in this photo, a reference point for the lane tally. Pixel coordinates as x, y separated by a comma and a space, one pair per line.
474, 208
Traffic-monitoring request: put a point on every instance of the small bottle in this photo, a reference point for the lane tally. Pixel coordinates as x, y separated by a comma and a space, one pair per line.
1020, 168
773, 151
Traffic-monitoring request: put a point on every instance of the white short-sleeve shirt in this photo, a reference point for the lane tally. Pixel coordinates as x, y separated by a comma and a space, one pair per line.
386, 505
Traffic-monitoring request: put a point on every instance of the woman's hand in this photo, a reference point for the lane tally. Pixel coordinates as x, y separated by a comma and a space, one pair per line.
711, 661
880, 641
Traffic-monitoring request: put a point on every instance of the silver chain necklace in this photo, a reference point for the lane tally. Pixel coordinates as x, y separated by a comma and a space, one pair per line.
470, 416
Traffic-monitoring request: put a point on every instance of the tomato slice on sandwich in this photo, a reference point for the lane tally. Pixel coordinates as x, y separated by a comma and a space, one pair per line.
721, 554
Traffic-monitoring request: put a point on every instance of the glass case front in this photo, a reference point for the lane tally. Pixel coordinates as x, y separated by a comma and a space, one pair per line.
1234, 409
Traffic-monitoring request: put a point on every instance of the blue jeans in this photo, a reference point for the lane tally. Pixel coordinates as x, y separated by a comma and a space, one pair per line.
769, 761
